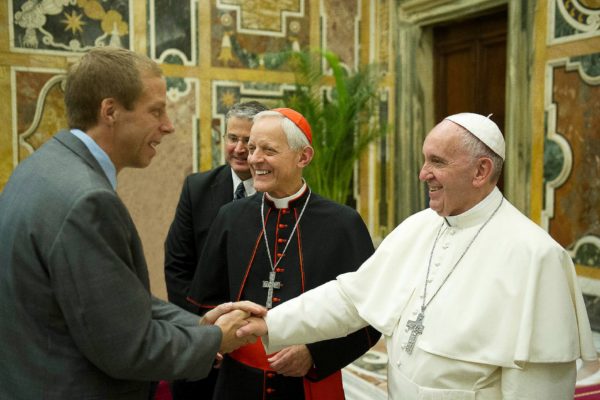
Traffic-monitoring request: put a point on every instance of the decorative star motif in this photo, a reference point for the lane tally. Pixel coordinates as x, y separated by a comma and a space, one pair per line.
73, 22
228, 99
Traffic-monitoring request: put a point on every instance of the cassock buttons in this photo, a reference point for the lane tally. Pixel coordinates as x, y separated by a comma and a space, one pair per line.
270, 390
285, 210
283, 226
279, 255
270, 375
281, 240
276, 299
279, 269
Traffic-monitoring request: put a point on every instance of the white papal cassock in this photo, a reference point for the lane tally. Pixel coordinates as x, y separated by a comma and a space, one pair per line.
508, 323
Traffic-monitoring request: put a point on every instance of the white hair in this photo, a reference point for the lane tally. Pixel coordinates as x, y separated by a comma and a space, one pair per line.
295, 137
479, 149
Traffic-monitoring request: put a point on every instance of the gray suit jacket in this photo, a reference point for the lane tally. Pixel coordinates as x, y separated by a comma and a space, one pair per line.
77, 320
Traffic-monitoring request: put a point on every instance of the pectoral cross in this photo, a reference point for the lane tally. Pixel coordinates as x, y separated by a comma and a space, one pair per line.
417, 328
271, 284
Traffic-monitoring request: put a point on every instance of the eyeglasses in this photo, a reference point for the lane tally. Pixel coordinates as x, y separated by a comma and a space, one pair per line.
234, 139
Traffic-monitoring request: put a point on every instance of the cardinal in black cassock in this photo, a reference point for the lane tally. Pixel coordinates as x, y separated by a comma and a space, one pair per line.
272, 247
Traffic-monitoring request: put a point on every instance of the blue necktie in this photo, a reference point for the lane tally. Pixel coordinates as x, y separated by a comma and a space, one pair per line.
240, 192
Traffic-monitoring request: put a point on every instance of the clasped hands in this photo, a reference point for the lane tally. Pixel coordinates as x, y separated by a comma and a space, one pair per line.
242, 323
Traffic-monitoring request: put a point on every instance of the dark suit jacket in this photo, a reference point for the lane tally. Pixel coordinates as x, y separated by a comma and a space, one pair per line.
77, 320
330, 240
202, 196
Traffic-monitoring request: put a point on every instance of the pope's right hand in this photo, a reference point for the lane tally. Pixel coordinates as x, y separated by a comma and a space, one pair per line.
230, 323
254, 327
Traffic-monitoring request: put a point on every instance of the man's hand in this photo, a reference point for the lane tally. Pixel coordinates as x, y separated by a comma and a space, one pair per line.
229, 324
292, 361
255, 327
211, 316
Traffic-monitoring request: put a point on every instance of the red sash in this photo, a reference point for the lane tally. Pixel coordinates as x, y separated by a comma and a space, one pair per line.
587, 392
329, 388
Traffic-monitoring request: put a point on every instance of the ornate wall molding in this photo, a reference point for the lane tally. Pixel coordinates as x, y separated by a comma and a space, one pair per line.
69, 26
172, 35
586, 251
573, 20
429, 12
571, 164
558, 156
258, 19
27, 140
558, 163
257, 34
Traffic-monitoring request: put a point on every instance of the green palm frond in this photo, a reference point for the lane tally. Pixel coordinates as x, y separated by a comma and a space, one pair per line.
341, 117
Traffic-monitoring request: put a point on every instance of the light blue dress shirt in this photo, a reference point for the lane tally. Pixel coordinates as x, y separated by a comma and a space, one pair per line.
100, 155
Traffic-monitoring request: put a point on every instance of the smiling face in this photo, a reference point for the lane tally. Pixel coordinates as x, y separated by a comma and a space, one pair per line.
275, 167
137, 132
449, 171
236, 152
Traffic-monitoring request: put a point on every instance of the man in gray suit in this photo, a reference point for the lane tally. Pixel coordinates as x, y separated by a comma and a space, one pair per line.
77, 319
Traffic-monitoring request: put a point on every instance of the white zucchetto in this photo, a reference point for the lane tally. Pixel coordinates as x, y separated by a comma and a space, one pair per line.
483, 128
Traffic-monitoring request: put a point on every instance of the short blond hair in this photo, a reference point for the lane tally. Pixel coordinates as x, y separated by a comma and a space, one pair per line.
104, 72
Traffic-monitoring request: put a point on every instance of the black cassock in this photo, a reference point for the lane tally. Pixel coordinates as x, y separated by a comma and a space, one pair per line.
329, 240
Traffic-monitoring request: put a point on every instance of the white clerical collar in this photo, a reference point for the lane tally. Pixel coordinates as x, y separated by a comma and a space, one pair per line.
285, 202
477, 214
248, 184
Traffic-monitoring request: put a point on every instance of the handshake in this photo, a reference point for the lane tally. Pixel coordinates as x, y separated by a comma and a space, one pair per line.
241, 323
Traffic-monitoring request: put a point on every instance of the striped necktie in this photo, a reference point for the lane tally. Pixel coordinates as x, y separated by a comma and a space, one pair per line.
240, 192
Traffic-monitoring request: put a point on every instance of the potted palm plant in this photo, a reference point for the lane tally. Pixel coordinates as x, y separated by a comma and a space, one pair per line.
340, 109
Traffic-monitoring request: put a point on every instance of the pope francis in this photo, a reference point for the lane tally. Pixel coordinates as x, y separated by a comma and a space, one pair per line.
475, 301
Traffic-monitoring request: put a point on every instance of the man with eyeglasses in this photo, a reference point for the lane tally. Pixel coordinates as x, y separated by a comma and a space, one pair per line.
201, 197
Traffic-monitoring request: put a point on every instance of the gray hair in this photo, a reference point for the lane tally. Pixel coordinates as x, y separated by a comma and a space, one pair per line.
245, 110
295, 137
479, 149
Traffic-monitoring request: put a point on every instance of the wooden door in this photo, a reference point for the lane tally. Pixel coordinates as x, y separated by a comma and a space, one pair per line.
470, 67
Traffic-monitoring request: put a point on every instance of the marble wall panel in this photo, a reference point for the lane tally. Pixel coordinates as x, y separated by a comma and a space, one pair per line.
340, 29
39, 105
573, 20
172, 31
255, 34
68, 26
571, 159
